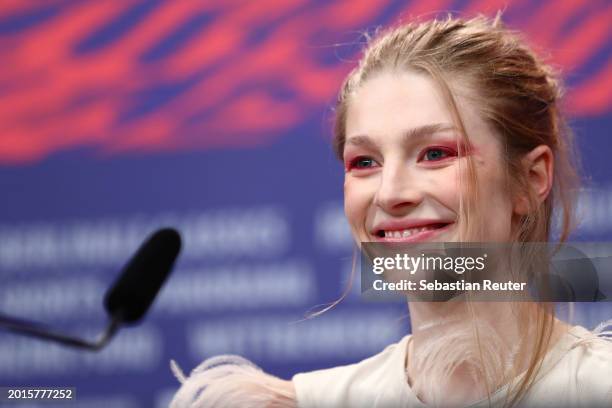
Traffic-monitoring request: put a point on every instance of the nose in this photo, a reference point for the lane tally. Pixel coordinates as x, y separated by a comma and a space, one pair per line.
399, 189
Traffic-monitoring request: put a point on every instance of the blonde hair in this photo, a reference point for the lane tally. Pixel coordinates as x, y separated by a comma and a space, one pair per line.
518, 95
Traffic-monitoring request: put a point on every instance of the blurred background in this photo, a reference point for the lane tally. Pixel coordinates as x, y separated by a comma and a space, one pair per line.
117, 117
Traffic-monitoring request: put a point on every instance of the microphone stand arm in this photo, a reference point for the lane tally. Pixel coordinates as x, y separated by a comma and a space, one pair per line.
43, 332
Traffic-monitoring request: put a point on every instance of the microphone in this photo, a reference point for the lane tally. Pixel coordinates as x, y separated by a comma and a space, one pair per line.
133, 293
127, 300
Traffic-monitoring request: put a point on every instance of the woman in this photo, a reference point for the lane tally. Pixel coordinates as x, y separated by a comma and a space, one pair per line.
448, 131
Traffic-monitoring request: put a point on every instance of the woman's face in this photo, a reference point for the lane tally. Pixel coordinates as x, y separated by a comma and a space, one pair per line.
402, 180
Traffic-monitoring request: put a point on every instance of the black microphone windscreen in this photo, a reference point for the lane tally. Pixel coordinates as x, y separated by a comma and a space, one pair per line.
134, 291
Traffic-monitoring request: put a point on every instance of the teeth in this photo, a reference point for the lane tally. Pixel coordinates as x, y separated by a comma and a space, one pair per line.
407, 232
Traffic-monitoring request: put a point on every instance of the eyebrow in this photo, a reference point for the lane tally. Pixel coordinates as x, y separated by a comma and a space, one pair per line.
408, 135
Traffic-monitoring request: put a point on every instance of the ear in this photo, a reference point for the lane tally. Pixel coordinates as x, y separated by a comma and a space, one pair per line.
538, 166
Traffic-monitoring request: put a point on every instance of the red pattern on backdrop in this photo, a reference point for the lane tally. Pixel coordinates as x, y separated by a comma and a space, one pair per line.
54, 97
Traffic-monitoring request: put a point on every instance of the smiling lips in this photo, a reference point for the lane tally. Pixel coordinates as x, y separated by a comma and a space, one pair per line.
418, 231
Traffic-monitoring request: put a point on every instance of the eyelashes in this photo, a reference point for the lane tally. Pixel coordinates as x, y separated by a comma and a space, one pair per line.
361, 162
437, 153
429, 154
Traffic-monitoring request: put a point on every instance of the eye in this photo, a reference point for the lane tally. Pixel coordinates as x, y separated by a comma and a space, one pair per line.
361, 162
437, 154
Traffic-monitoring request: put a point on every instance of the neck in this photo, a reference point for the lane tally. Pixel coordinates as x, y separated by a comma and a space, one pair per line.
466, 351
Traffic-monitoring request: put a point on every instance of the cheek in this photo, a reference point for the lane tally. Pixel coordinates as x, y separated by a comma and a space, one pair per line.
357, 199
445, 186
